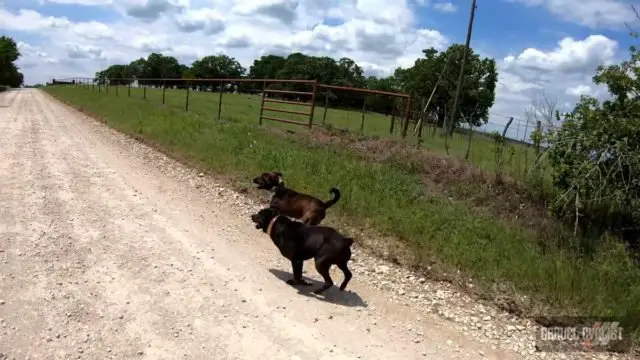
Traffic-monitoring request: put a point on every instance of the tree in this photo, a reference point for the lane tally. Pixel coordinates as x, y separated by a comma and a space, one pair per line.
137, 67
349, 74
595, 154
478, 91
266, 67
158, 66
115, 75
381, 103
217, 67
9, 53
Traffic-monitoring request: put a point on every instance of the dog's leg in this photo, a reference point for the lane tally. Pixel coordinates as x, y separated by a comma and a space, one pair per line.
297, 274
347, 275
323, 269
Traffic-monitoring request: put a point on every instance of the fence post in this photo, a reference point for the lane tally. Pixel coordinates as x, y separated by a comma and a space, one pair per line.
264, 90
539, 131
116, 89
106, 87
129, 90
326, 106
364, 104
466, 156
186, 104
164, 88
421, 120
313, 103
93, 87
144, 92
393, 116
406, 117
220, 101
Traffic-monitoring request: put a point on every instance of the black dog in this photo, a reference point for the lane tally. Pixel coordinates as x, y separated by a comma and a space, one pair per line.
299, 242
308, 209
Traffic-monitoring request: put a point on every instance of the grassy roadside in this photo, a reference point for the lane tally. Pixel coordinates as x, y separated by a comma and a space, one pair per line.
390, 198
245, 108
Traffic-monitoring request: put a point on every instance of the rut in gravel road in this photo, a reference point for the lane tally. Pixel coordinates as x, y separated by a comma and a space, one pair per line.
106, 256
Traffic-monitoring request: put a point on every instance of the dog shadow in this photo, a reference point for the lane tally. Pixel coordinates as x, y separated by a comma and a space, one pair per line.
332, 295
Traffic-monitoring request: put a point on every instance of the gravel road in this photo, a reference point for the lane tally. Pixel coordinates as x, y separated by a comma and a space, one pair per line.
110, 250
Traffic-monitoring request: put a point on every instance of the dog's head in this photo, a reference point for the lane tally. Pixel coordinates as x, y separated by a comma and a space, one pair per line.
263, 217
268, 180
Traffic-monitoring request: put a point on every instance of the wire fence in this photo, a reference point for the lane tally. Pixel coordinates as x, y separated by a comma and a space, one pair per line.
305, 102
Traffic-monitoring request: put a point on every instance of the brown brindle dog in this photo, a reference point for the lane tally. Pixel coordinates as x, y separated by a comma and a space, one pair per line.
310, 210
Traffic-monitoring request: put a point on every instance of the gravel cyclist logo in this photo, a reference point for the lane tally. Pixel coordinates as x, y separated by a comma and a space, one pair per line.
600, 335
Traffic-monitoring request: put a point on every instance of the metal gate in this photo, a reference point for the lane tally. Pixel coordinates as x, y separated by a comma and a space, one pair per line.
310, 105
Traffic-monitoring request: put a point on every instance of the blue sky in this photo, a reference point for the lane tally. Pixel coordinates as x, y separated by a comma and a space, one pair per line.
550, 46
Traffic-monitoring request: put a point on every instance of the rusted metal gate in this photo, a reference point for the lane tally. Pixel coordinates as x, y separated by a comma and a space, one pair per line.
310, 105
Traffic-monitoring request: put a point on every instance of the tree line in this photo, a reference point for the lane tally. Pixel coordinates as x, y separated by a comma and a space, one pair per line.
435, 67
10, 75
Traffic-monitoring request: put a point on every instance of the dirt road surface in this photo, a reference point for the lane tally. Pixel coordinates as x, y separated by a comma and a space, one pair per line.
106, 254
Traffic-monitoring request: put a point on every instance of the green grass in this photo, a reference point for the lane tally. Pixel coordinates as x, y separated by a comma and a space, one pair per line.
392, 200
246, 108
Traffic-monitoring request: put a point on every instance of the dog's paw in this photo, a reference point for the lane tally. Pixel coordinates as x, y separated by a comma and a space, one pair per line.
302, 282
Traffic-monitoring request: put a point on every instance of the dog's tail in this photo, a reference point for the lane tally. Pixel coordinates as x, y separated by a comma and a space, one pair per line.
336, 197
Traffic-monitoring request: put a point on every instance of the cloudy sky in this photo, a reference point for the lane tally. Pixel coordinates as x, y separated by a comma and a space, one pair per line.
550, 45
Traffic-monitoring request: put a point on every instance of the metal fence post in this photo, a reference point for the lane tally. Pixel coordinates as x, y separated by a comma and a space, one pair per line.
220, 101
186, 104
364, 104
326, 106
313, 103
164, 88
264, 91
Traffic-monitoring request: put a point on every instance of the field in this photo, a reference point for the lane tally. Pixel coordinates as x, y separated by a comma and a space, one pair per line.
443, 231
245, 108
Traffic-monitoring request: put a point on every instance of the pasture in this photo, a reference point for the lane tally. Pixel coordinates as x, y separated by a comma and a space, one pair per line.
245, 108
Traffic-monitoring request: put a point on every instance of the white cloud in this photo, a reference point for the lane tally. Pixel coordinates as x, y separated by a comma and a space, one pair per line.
578, 90
590, 13
446, 7
30, 21
562, 73
570, 55
80, 2
207, 20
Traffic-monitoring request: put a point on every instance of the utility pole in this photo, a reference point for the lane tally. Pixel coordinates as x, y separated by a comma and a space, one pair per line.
448, 125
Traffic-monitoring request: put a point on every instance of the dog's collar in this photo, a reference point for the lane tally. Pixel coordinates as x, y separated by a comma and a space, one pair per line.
271, 224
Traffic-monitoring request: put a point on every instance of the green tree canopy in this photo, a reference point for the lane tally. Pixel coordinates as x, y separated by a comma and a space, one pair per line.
116, 75
217, 67
9, 53
478, 92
